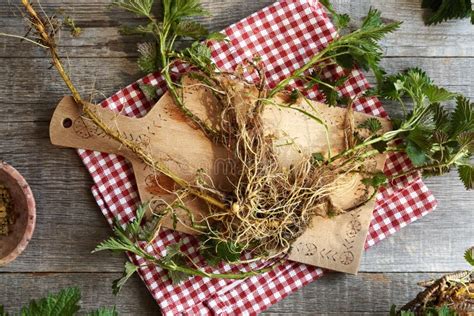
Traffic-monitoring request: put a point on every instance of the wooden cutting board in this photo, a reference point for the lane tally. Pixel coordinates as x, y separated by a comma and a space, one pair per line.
170, 137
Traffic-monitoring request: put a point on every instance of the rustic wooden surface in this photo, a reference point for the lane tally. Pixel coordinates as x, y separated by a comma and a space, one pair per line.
70, 224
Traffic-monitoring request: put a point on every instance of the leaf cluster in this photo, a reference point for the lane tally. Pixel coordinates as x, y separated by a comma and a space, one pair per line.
215, 251
434, 139
443, 10
358, 48
162, 34
134, 238
64, 303
362, 48
430, 311
469, 256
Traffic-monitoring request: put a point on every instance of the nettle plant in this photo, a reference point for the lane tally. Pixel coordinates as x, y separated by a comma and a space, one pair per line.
270, 206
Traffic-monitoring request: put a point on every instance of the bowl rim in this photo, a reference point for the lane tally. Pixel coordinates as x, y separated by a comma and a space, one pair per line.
31, 209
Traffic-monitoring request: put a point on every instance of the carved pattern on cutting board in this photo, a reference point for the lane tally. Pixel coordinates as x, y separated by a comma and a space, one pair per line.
353, 228
346, 256
84, 128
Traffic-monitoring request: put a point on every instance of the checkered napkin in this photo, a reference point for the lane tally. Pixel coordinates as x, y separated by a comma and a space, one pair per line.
285, 35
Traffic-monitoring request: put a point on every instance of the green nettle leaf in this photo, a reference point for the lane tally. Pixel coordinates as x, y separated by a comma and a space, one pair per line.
139, 7
441, 118
420, 135
340, 20
469, 256
466, 174
129, 270
148, 61
216, 36
104, 312
372, 124
317, 159
376, 181
175, 10
174, 259
229, 251
191, 29
2, 311
462, 119
137, 30
65, 303
134, 227
443, 10
380, 146
415, 153
437, 94
149, 91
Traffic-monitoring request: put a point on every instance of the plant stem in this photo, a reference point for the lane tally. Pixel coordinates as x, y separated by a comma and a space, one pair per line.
23, 38
48, 41
190, 271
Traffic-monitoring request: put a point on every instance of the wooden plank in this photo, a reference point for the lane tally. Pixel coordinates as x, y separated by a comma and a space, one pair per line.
334, 294
101, 38
134, 299
364, 294
434, 243
59, 179
70, 224
29, 82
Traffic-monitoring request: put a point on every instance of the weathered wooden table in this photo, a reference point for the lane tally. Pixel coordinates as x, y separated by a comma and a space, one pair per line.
101, 61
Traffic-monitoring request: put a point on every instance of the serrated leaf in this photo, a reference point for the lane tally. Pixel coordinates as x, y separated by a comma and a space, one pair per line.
342, 20
104, 312
133, 228
175, 10
140, 29
421, 137
466, 174
437, 94
191, 29
416, 154
149, 91
443, 10
469, 256
174, 258
148, 61
216, 36
372, 124
65, 303
229, 251
139, 7
462, 119
129, 270
376, 181
441, 117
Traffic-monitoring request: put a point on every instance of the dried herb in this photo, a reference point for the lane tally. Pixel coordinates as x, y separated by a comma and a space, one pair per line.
71, 24
450, 295
6, 208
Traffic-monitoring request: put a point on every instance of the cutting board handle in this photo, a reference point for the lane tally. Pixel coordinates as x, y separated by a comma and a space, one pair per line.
69, 128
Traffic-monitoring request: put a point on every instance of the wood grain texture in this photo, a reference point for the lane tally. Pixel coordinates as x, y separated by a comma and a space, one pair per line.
102, 61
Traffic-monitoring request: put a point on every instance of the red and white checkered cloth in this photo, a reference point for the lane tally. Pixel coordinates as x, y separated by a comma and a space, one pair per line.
285, 35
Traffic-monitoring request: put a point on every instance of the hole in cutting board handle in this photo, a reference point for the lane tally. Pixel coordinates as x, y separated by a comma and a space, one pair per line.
67, 123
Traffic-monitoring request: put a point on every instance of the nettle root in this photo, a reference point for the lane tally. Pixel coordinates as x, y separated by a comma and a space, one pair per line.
270, 206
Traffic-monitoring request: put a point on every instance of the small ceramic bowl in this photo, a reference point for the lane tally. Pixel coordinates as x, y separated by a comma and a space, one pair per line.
24, 213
